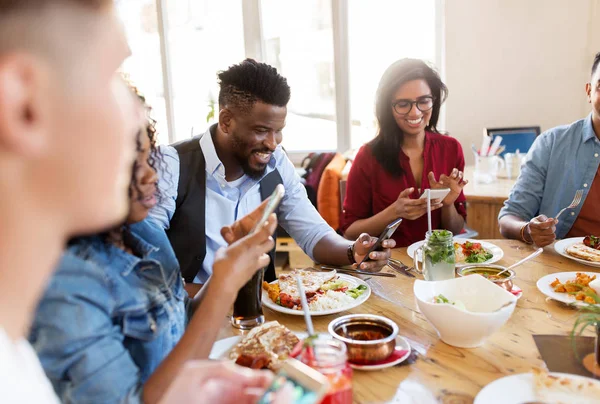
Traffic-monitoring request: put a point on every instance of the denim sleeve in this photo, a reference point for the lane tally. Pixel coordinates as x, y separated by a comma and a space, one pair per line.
168, 180
296, 214
526, 196
80, 348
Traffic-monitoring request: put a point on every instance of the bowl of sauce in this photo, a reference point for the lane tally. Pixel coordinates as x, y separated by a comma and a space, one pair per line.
490, 272
368, 338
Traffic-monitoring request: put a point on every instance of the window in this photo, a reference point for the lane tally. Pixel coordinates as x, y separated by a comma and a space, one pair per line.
144, 65
303, 39
380, 33
204, 36
298, 41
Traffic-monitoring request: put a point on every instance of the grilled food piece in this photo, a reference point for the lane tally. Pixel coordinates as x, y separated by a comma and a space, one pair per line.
265, 347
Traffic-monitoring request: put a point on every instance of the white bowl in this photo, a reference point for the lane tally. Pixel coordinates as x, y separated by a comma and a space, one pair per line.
482, 298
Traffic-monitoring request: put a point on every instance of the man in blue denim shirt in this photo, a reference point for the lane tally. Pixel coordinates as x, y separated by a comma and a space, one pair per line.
560, 162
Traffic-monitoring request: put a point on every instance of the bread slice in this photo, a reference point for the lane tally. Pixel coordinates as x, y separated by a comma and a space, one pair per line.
553, 389
581, 251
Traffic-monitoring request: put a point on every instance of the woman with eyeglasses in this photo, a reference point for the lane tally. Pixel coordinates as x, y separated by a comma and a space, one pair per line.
408, 156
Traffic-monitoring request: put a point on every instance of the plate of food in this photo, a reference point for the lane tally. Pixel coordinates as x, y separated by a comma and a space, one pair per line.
569, 287
585, 250
467, 252
540, 386
326, 292
264, 347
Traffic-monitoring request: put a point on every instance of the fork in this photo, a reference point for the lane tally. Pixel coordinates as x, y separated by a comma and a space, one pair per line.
400, 264
576, 201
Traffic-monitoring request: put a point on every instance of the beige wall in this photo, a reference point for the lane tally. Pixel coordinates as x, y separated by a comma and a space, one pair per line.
517, 62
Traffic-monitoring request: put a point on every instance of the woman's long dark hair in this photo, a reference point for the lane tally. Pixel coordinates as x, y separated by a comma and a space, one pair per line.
388, 142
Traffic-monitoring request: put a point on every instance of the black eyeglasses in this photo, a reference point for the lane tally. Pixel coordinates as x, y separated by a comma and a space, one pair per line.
423, 104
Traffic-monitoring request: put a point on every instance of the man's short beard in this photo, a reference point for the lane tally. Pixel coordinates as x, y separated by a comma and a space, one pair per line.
239, 146
249, 171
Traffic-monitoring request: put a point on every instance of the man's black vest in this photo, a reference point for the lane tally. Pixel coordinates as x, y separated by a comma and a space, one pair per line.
187, 228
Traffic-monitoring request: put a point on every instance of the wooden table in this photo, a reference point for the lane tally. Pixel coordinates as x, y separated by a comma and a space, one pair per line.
484, 202
443, 373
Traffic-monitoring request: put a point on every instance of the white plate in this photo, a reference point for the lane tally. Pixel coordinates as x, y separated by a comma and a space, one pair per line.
401, 343
221, 348
561, 248
543, 284
494, 249
518, 389
351, 280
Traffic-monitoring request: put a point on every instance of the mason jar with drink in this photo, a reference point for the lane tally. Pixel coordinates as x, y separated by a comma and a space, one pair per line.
438, 256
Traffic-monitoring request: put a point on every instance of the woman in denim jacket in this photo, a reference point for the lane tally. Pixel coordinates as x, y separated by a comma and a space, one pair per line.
116, 307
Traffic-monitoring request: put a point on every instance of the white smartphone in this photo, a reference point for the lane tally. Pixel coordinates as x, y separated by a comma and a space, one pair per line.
274, 200
296, 383
436, 193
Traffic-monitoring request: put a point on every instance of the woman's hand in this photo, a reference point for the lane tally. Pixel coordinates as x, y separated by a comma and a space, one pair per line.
454, 181
412, 209
236, 264
206, 381
241, 227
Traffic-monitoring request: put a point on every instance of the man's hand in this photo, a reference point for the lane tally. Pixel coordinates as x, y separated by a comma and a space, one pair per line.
379, 259
455, 182
412, 209
541, 230
209, 381
236, 264
242, 227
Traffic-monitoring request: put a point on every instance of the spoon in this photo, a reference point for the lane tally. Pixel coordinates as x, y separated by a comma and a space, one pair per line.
530, 256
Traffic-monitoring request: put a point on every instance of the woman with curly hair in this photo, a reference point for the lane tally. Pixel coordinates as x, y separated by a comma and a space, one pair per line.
115, 323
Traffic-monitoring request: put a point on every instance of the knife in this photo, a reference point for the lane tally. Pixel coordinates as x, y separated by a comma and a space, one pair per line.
355, 271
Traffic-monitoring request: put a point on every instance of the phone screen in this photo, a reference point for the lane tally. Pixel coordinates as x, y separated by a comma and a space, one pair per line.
285, 389
387, 233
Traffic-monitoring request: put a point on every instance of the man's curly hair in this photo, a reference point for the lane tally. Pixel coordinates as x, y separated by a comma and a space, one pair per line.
250, 81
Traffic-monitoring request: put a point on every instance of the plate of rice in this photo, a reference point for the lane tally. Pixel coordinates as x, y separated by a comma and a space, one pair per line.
326, 293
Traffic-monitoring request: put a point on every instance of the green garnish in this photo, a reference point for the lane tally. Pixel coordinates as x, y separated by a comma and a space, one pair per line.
357, 291
479, 257
439, 247
440, 236
441, 299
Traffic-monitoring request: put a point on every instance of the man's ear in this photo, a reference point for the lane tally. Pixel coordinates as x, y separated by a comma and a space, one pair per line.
22, 127
588, 91
225, 120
